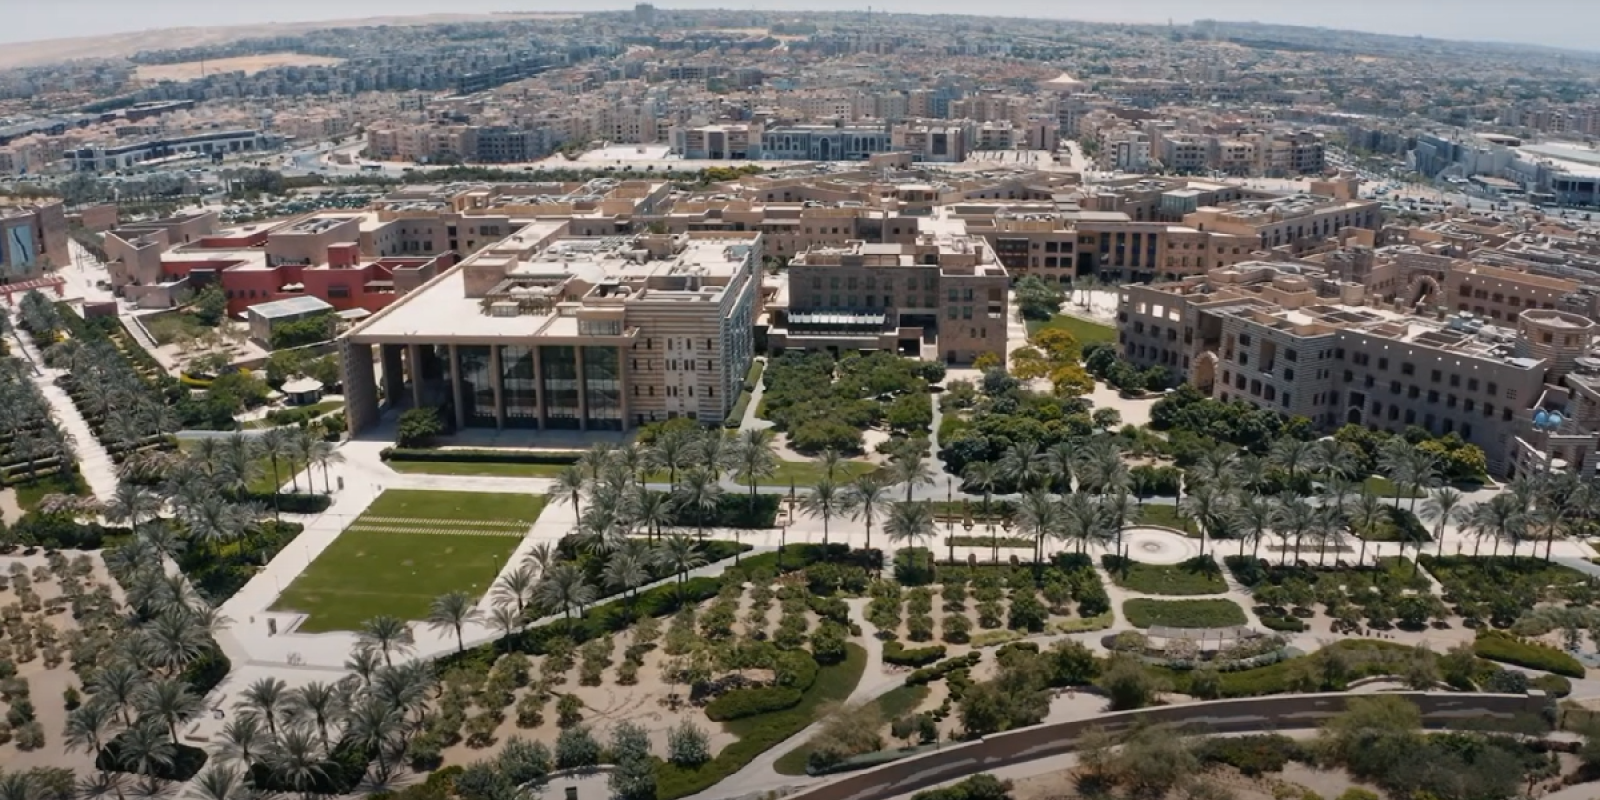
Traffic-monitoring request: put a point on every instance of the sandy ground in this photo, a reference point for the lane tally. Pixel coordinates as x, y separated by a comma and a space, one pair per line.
45, 685
10, 512
249, 65
1326, 783
49, 51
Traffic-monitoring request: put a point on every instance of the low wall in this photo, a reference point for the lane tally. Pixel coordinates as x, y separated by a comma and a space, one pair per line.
1254, 715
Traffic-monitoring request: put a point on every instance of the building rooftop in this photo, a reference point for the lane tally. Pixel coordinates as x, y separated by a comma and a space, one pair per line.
291, 307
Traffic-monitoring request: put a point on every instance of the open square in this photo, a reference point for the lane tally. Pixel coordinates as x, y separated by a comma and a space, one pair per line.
407, 548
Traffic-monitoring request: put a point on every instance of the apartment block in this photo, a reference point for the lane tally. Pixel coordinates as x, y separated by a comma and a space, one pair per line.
1294, 340
943, 294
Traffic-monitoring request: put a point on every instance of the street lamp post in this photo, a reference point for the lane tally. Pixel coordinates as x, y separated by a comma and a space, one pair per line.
783, 531
1005, 528
966, 525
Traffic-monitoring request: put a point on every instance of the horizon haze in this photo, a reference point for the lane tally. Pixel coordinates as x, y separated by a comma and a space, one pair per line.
1469, 20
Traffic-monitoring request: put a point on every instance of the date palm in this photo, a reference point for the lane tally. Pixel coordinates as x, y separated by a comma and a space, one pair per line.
374, 725
132, 504
753, 460
325, 455
1366, 516
653, 511
910, 523
1254, 517
516, 586
1059, 461
119, 685
144, 748
177, 640
594, 461
364, 662
1293, 519
698, 493
170, 700
829, 461
825, 500
1205, 504
238, 465
563, 589
1039, 515
865, 498
268, 698
90, 726
242, 739
320, 703
909, 467
570, 486
506, 620
1333, 458
297, 759
387, 634
275, 445
1500, 519
984, 476
678, 554
673, 451
1292, 456
453, 611
1023, 466
713, 451
627, 570
1080, 520
222, 782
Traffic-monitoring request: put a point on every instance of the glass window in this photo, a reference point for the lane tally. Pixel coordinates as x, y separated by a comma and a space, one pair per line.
477, 386
518, 390
602, 387
559, 365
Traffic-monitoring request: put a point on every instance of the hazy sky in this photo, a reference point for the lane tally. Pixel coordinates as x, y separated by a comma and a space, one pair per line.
1560, 23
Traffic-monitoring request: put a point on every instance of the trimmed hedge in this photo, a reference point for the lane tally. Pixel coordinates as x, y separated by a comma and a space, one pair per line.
62, 532
944, 668
479, 456
741, 703
898, 654
1505, 648
1283, 624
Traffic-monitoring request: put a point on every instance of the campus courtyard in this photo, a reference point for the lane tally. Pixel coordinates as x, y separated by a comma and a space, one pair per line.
407, 548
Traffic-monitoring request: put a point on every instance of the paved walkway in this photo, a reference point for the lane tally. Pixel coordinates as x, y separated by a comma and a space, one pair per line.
98, 470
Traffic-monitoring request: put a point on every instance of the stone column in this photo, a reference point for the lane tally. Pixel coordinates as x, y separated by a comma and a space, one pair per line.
414, 366
583, 389
360, 391
538, 382
394, 372
499, 387
455, 388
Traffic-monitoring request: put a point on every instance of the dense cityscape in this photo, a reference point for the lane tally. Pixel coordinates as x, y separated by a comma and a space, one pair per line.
1231, 388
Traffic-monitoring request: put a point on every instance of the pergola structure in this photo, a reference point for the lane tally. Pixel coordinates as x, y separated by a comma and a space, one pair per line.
55, 282
1161, 636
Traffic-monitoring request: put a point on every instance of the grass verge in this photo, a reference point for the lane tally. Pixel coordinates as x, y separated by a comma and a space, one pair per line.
761, 733
895, 703
1083, 330
1189, 578
1145, 613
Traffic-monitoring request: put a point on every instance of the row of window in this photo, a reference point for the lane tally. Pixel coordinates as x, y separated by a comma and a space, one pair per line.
929, 281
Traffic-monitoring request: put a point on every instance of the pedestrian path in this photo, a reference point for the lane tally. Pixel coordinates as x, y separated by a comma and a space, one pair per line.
95, 464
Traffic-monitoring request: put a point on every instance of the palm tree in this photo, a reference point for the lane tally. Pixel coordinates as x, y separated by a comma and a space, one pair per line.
713, 452
1333, 458
571, 486
1328, 527
1291, 455
1082, 520
506, 620
985, 476
170, 700
910, 522
1293, 519
386, 633
1366, 515
222, 782
829, 460
1499, 518
627, 570
753, 460
145, 747
297, 759
22, 786
1443, 509
864, 498
452, 611
1059, 461
825, 500
242, 739
118, 685
631, 458
564, 587
678, 554
1205, 504
652, 511
132, 504
1023, 466
276, 446
595, 460
698, 493
1217, 468
90, 726
516, 586
672, 451
1254, 516
1040, 515
325, 455
320, 703
267, 697
302, 450
909, 466
373, 725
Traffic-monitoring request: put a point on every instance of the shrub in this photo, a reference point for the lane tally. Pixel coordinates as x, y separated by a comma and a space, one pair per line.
741, 703
1508, 649
1283, 624
982, 786
1253, 755
900, 655
577, 747
943, 669
1553, 685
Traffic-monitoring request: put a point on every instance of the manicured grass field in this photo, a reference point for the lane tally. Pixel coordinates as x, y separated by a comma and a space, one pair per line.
1144, 613
1172, 580
1166, 516
1383, 487
407, 549
1083, 330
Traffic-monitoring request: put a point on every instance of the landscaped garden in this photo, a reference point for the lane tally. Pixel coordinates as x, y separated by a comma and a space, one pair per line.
406, 549
1143, 612
1198, 575
1352, 597
821, 403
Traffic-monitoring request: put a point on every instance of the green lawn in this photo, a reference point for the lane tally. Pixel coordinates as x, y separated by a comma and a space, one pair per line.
404, 552
1176, 579
1166, 516
1083, 330
477, 468
895, 703
31, 493
1383, 487
1144, 613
